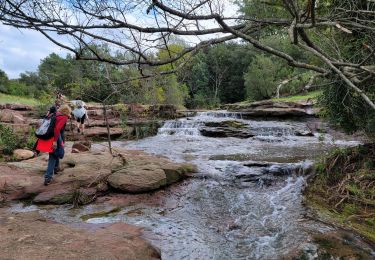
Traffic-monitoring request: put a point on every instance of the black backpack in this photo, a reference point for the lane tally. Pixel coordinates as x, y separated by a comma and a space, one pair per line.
46, 130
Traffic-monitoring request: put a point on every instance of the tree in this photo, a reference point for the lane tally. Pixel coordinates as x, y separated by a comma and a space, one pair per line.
261, 78
4, 81
84, 22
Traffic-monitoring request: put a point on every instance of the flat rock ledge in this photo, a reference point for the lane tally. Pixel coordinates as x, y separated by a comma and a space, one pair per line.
273, 108
88, 175
31, 236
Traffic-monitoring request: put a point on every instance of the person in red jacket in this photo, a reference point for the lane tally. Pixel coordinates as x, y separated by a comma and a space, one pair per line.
55, 145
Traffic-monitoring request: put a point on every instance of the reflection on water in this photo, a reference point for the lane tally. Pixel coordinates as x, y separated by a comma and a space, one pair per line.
244, 203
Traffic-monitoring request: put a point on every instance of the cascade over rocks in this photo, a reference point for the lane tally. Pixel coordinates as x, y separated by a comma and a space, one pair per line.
237, 129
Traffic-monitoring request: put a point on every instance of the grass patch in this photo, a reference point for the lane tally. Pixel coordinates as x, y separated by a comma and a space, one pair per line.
311, 95
9, 99
343, 189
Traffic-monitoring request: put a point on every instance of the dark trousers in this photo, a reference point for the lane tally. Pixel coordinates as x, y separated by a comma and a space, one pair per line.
53, 161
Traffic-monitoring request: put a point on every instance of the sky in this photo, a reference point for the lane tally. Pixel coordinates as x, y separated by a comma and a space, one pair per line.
22, 50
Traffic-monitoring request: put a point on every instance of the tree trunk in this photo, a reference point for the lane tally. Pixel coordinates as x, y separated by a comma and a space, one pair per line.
108, 129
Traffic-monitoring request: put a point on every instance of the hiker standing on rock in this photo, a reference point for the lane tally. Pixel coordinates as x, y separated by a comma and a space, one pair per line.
51, 140
80, 114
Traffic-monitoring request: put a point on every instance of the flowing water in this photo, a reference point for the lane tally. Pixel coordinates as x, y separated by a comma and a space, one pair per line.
244, 203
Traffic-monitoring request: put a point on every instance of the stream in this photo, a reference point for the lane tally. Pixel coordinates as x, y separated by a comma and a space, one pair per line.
245, 202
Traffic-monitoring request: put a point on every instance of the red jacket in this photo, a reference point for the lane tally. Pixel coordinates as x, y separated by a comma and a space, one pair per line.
59, 125
46, 146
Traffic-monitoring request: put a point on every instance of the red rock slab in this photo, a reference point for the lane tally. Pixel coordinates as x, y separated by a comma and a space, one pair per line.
31, 236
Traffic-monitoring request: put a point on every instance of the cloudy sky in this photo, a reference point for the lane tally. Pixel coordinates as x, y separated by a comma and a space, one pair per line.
22, 50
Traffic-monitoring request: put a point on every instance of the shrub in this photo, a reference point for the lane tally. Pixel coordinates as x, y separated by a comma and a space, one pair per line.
9, 141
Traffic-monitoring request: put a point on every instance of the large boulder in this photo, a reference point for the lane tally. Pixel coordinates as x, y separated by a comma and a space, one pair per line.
85, 176
225, 132
82, 146
22, 154
11, 116
78, 172
134, 180
228, 128
18, 183
146, 173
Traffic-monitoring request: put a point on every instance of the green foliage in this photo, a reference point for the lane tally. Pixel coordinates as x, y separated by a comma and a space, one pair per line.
18, 88
314, 95
3, 82
45, 102
8, 140
215, 75
347, 109
9, 99
261, 78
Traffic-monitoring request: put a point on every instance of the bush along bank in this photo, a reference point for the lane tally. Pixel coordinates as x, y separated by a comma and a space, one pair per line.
343, 189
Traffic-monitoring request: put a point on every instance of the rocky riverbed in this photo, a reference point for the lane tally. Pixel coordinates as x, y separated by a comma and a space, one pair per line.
244, 202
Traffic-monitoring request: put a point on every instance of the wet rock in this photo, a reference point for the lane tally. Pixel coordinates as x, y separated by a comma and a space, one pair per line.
225, 132
82, 146
176, 172
305, 132
32, 236
228, 128
228, 123
22, 154
85, 195
55, 194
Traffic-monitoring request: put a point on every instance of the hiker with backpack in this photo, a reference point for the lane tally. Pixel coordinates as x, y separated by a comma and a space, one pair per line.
51, 139
80, 114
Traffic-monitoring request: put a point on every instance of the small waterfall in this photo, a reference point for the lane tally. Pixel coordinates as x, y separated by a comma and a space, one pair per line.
180, 127
220, 114
274, 131
190, 126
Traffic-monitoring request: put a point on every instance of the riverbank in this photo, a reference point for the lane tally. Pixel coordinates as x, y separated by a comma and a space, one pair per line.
31, 236
343, 190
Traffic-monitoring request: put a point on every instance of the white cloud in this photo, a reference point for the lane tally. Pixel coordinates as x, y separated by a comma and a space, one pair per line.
22, 50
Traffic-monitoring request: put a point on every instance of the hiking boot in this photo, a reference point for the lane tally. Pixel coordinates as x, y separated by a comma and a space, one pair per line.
47, 182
